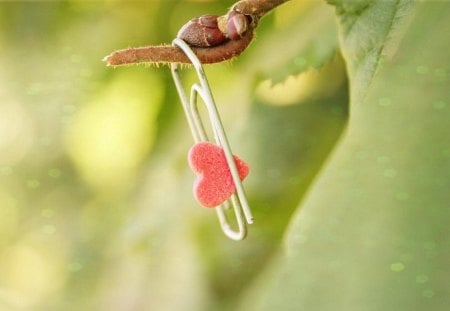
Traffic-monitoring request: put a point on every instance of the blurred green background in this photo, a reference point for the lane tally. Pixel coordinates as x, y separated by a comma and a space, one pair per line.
96, 198
341, 108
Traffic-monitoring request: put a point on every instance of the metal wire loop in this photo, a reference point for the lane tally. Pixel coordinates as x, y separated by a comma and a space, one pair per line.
238, 200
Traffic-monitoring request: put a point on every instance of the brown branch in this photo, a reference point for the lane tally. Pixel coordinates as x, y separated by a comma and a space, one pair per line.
256, 7
233, 44
172, 54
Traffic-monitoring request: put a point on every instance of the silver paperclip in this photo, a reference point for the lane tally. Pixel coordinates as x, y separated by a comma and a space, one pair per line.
238, 200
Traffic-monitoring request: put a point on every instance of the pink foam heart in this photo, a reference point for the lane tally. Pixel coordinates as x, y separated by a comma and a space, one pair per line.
214, 184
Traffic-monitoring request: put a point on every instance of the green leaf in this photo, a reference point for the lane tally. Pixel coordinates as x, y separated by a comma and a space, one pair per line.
369, 29
373, 233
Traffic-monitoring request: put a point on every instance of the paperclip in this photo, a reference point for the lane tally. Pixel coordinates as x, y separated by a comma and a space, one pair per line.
238, 200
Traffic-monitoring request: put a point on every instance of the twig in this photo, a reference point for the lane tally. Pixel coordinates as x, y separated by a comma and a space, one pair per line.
172, 54
237, 28
257, 7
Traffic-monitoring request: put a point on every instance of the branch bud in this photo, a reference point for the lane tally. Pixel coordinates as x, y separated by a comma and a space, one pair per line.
237, 25
202, 31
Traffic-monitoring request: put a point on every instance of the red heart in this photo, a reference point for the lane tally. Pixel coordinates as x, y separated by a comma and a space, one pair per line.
215, 183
